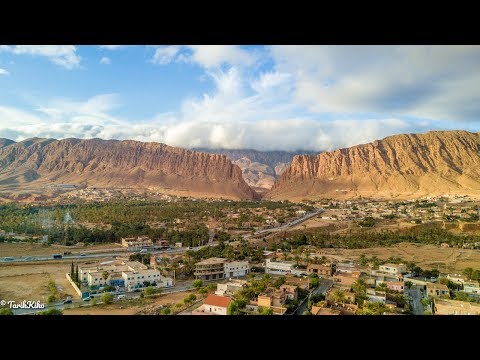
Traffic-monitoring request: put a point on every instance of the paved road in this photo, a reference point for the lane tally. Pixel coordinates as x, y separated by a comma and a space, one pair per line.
325, 284
416, 296
285, 226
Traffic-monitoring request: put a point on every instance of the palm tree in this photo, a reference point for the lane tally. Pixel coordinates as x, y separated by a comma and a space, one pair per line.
338, 296
105, 275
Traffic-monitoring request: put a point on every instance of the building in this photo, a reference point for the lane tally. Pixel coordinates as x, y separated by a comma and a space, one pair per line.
346, 278
210, 269
376, 296
349, 297
396, 285
471, 287
456, 278
274, 299
436, 290
213, 305
278, 267
317, 310
236, 269
129, 275
291, 291
393, 269
137, 243
320, 269
455, 307
347, 268
231, 287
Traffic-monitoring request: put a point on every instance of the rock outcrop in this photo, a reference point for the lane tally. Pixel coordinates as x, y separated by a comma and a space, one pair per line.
119, 164
410, 165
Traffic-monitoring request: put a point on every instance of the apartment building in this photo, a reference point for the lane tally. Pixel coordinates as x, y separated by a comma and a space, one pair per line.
320, 269
137, 243
220, 268
278, 267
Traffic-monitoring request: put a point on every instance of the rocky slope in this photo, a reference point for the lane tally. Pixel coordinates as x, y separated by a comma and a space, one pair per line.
119, 164
410, 165
260, 169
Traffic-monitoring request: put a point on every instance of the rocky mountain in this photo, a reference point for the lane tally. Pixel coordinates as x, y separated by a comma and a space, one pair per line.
260, 169
36, 162
410, 165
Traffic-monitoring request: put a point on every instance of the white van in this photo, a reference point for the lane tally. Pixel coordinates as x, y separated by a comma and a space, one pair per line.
121, 296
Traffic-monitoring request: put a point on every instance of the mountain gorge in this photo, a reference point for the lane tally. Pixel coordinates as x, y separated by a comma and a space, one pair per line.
260, 169
408, 165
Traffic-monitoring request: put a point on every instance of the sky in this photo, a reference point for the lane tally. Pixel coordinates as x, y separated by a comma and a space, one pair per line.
225, 96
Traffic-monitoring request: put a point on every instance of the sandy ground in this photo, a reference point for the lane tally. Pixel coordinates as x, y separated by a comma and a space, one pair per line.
114, 309
30, 281
425, 256
26, 249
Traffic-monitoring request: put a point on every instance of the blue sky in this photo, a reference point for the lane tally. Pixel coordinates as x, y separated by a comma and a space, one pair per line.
261, 97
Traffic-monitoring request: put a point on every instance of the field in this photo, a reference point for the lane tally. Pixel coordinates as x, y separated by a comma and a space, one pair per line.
425, 256
29, 281
130, 309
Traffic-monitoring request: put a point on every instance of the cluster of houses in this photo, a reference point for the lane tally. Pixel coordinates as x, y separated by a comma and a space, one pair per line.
384, 285
410, 210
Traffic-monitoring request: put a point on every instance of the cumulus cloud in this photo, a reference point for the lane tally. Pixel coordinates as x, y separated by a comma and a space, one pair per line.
63, 55
105, 61
435, 82
165, 54
4, 72
312, 98
111, 47
207, 56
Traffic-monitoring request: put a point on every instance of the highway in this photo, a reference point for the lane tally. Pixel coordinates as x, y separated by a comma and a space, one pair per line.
123, 251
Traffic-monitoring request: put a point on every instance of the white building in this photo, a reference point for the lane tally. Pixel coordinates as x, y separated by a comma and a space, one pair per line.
236, 269
213, 305
471, 287
278, 267
393, 269
129, 274
231, 287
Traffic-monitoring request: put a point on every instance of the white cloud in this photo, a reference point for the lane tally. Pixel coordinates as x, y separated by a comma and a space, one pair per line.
165, 54
4, 72
207, 56
111, 47
436, 82
63, 55
105, 60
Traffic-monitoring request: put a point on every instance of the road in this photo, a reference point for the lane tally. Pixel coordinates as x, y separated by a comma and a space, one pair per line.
123, 251
184, 286
325, 284
416, 296
285, 226
87, 255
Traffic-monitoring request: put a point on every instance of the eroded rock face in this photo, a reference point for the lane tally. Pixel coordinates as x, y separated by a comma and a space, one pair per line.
436, 162
114, 163
260, 169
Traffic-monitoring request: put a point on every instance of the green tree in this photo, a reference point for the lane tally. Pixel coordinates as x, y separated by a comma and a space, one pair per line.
166, 311
468, 272
105, 275
107, 298
149, 290
52, 311
72, 272
93, 302
197, 283
6, 311
232, 308
51, 298
408, 284
265, 311
338, 296
76, 274
279, 282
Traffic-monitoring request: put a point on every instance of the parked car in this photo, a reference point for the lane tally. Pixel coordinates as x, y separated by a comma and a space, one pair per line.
122, 296
87, 298
82, 254
67, 301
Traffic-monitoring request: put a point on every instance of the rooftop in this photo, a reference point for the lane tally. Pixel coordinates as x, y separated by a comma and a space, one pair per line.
215, 300
211, 261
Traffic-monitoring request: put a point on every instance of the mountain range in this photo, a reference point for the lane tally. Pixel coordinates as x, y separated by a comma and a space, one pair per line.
407, 165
